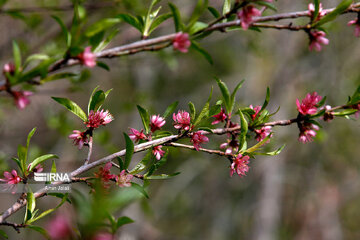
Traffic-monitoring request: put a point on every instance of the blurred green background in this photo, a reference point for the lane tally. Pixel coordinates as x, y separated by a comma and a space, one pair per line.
309, 191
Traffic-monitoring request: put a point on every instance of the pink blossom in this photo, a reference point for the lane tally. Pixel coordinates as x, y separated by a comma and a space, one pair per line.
136, 136
355, 22
230, 146
308, 131
181, 42
59, 228
124, 179
11, 178
103, 236
256, 109
158, 152
104, 174
156, 122
9, 68
311, 8
220, 117
197, 138
21, 98
317, 39
37, 169
240, 165
87, 58
182, 120
308, 104
80, 138
262, 133
246, 15
98, 118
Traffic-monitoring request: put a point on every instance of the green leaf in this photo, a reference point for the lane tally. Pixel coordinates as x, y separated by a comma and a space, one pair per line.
267, 99
197, 27
345, 112
206, 129
3, 234
355, 97
143, 163
140, 189
267, 4
214, 12
233, 95
205, 111
53, 167
34, 57
61, 196
273, 153
121, 163
40, 230
177, 18
64, 29
103, 65
21, 152
43, 214
129, 150
41, 159
317, 8
161, 176
17, 56
145, 118
101, 25
122, 221
192, 111
157, 165
96, 100
226, 6
202, 51
57, 76
19, 164
225, 93
333, 14
133, 21
258, 145
214, 110
199, 9
72, 107
106, 42
159, 20
243, 130
170, 109
31, 203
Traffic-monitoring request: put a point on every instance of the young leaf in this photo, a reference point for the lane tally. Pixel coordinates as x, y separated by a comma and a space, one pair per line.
40, 230
225, 93
205, 111
199, 9
157, 165
214, 110
214, 12
333, 14
258, 145
53, 167
273, 153
355, 97
19, 164
129, 150
267, 99
202, 51
96, 100
72, 107
244, 129
41, 159
192, 111
57, 76
101, 25
122, 221
105, 42
17, 56
64, 29
226, 6
103, 65
121, 163
170, 109
145, 118
267, 4
162, 176
177, 18
140, 189
22, 152
317, 8
142, 164
233, 95
133, 21
158, 21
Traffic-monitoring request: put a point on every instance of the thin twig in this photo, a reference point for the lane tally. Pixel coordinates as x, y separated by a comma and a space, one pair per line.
14, 225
